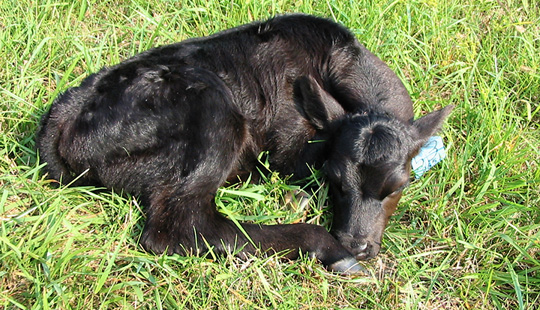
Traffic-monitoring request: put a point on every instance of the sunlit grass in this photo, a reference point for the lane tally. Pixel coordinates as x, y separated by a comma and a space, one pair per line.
465, 236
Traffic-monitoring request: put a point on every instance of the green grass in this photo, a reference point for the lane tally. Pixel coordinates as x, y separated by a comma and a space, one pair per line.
465, 236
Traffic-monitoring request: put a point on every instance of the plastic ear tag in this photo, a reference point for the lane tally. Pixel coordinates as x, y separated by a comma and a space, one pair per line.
430, 154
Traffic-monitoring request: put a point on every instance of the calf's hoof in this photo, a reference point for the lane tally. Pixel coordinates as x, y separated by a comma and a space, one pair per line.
348, 266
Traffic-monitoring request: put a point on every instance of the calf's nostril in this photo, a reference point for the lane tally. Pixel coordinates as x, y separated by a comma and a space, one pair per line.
358, 246
363, 246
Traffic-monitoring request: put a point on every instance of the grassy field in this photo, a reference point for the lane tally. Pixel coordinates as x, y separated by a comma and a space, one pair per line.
465, 236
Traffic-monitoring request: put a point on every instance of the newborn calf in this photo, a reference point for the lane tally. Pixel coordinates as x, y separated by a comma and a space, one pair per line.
173, 124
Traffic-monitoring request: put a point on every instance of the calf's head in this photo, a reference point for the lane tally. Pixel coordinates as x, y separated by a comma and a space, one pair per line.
368, 164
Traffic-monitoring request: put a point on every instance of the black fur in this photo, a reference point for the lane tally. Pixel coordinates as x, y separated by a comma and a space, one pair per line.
176, 122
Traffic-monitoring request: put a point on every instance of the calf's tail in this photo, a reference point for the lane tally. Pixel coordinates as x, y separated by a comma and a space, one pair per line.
49, 135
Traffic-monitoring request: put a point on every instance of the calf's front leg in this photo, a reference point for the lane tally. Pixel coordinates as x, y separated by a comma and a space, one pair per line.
190, 224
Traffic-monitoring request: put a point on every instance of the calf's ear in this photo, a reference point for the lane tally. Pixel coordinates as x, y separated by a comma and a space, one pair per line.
318, 106
429, 124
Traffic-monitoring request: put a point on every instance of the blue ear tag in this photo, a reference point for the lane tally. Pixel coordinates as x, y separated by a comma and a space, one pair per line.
430, 154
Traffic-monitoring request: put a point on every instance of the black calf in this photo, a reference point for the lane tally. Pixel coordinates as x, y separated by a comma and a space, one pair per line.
176, 122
